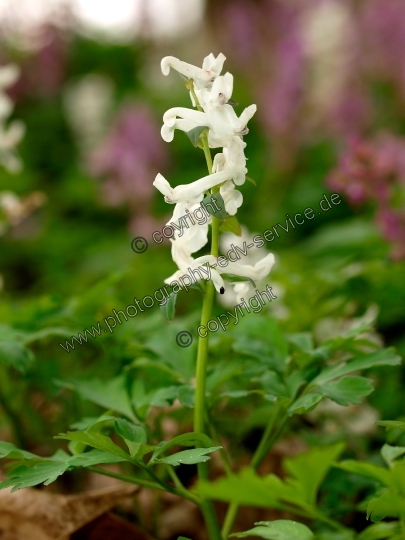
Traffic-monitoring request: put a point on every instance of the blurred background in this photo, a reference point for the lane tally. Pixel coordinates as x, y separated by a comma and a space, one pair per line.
82, 147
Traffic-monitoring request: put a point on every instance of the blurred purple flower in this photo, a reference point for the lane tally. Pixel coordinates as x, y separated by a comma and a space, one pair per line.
129, 157
240, 30
392, 225
43, 71
374, 171
383, 29
282, 96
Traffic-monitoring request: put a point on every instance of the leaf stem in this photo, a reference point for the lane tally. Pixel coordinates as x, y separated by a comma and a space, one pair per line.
148, 484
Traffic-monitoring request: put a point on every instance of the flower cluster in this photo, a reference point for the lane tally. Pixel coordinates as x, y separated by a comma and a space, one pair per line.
10, 135
374, 171
210, 94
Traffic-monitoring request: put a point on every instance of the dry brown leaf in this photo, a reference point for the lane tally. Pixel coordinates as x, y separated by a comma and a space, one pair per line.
38, 515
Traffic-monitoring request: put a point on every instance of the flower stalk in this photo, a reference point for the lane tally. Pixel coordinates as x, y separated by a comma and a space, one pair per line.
212, 123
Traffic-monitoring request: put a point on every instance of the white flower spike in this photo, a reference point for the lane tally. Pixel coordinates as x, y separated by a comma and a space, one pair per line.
210, 92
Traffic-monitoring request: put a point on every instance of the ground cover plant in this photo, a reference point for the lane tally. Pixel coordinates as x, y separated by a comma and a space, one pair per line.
208, 330
254, 366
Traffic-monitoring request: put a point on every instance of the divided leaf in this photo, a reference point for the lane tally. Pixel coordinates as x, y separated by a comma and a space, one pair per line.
188, 457
281, 529
347, 391
95, 440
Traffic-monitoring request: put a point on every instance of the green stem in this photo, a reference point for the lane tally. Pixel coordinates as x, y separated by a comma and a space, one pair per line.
224, 456
266, 443
207, 507
264, 446
148, 484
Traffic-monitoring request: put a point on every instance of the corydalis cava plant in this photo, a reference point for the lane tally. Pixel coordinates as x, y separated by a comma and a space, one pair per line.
213, 123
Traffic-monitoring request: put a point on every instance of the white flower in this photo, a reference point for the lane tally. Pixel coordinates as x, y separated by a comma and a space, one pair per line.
194, 236
194, 192
189, 119
256, 272
225, 124
233, 198
225, 129
211, 68
219, 94
232, 157
222, 122
186, 263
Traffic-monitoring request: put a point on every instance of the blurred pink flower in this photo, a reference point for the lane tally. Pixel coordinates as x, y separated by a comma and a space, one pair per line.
129, 157
43, 71
374, 171
383, 31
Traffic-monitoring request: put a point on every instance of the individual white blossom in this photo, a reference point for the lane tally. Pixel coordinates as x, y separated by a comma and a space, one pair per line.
194, 192
233, 198
202, 77
222, 122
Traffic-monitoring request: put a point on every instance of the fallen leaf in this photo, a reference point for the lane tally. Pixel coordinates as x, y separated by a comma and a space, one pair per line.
41, 515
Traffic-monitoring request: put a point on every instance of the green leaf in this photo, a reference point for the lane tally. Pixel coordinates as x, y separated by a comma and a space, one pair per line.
45, 472
50, 332
186, 439
302, 340
336, 535
247, 488
349, 390
380, 531
261, 337
9, 451
93, 421
232, 102
384, 357
186, 396
307, 471
273, 384
162, 397
389, 504
110, 394
95, 440
194, 134
369, 470
92, 457
390, 453
134, 436
392, 424
215, 207
168, 310
281, 529
232, 225
189, 457
15, 354
251, 180
36, 470
130, 431
305, 403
